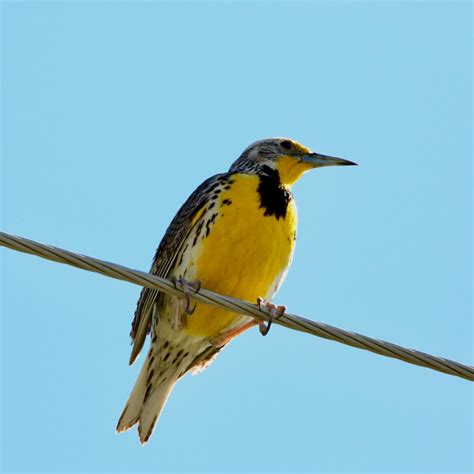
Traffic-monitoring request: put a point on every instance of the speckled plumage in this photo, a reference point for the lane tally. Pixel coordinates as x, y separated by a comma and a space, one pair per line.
170, 251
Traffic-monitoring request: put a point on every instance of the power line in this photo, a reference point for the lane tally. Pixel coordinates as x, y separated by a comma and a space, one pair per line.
287, 320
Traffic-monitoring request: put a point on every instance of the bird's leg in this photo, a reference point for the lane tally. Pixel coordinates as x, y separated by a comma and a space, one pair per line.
274, 313
189, 289
227, 335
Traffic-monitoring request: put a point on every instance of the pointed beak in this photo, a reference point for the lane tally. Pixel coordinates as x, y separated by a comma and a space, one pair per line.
317, 160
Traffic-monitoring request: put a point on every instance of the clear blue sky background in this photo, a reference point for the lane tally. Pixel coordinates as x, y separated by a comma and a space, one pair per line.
114, 112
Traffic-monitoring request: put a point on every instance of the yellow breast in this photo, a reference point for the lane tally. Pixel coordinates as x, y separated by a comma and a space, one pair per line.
245, 253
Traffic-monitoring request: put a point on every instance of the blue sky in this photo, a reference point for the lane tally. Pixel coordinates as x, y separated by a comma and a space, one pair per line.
113, 112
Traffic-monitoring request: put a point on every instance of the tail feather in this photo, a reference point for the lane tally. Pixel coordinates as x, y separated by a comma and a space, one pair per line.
133, 407
145, 404
152, 408
165, 364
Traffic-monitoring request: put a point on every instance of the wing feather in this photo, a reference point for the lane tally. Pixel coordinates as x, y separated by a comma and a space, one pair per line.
165, 257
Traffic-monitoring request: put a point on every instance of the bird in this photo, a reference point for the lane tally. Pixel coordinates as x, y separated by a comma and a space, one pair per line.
234, 235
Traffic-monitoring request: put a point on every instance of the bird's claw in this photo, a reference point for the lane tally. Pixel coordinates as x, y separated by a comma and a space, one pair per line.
274, 313
189, 289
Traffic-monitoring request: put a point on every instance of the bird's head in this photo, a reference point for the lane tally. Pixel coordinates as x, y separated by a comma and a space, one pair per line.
288, 157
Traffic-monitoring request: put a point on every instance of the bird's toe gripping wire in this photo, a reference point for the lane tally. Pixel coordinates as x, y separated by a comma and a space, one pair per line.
274, 313
189, 288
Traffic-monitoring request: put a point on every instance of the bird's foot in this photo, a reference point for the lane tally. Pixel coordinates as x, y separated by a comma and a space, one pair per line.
189, 289
184, 308
274, 313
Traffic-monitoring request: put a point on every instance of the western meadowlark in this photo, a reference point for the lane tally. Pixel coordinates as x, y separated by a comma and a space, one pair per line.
234, 235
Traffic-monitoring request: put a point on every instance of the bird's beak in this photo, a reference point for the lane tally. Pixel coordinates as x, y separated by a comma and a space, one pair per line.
316, 160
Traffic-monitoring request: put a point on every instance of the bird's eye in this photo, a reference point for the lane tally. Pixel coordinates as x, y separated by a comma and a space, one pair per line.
286, 144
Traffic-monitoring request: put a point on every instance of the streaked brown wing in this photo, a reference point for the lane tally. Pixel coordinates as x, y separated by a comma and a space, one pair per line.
165, 257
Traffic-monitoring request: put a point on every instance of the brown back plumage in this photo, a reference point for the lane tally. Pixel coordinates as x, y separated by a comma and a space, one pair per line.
165, 257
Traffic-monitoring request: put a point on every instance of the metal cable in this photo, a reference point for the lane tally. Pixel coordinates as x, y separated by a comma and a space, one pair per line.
287, 320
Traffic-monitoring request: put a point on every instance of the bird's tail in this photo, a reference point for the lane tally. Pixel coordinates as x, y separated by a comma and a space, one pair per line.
145, 403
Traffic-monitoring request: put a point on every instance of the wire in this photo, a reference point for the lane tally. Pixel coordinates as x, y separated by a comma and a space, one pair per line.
287, 320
